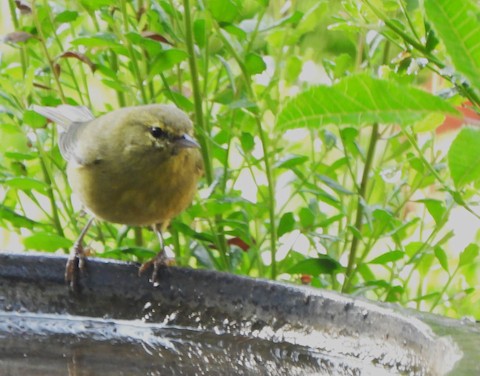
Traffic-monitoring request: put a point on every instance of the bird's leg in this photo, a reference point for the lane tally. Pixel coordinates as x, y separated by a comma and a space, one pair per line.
76, 260
160, 260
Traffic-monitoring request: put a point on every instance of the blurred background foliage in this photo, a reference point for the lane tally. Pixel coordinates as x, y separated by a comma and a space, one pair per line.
339, 138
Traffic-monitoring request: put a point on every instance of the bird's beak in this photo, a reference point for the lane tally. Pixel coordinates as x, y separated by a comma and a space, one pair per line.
186, 141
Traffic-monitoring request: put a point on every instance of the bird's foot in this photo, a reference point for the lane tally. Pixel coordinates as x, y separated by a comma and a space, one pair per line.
161, 260
75, 266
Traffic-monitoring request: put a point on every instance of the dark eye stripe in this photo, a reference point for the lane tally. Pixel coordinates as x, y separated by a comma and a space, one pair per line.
158, 133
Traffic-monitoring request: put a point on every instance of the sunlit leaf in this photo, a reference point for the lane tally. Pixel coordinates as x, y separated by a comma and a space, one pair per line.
46, 241
254, 64
388, 257
436, 208
16, 219
360, 100
468, 255
223, 10
25, 184
464, 157
66, 16
442, 257
457, 24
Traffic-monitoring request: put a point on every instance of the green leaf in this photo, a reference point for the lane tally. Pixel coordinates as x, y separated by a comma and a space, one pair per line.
13, 139
468, 255
334, 185
247, 141
180, 100
223, 10
254, 64
166, 60
99, 40
436, 208
96, 4
33, 119
395, 294
388, 257
464, 158
17, 220
46, 241
26, 184
359, 100
457, 24
322, 264
290, 161
307, 218
199, 32
428, 123
287, 223
66, 16
441, 256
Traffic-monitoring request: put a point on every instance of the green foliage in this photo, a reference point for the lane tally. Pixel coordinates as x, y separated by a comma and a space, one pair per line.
319, 126
360, 100
456, 23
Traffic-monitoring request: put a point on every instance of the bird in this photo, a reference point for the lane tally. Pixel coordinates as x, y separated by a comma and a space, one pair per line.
137, 166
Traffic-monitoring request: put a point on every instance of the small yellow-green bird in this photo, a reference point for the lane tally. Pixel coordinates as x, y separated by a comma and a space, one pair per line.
137, 166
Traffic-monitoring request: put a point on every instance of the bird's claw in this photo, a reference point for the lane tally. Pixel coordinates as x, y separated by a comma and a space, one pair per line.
161, 260
74, 267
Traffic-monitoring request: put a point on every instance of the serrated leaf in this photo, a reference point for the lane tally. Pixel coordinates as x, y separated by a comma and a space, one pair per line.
464, 158
359, 100
46, 241
286, 224
457, 24
388, 257
322, 264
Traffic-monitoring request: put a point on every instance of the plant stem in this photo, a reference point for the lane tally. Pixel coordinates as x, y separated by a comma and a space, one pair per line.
47, 54
360, 208
50, 194
203, 133
265, 146
16, 24
197, 94
131, 52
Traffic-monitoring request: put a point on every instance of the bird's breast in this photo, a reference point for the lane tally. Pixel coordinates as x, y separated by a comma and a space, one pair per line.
138, 192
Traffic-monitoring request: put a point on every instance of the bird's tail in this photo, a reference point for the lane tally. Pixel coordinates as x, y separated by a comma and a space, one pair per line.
64, 115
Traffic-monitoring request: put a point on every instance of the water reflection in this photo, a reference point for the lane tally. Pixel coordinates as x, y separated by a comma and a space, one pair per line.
49, 344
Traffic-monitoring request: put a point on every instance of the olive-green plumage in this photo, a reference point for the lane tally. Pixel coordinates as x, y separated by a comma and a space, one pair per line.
137, 166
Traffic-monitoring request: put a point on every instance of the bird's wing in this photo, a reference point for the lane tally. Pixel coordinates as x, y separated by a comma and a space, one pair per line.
72, 119
65, 115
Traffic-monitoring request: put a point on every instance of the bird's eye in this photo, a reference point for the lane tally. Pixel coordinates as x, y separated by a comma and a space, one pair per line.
158, 132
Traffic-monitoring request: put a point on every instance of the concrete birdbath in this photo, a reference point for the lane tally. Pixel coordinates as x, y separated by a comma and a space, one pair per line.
198, 322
